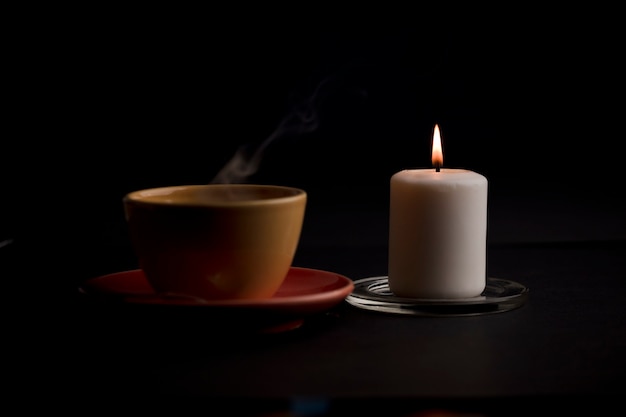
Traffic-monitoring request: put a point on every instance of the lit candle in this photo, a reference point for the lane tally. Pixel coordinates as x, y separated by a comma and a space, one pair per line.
437, 231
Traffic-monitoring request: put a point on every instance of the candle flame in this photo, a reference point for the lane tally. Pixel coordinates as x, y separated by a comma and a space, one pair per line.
437, 152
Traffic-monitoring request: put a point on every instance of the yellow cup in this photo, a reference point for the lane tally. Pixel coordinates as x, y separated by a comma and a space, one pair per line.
216, 241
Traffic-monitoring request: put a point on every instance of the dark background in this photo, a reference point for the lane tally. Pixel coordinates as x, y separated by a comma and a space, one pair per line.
112, 100
105, 101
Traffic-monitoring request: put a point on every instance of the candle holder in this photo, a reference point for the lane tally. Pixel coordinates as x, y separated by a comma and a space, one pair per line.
500, 295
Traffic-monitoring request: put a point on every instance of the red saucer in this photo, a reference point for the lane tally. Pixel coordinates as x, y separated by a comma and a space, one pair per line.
305, 291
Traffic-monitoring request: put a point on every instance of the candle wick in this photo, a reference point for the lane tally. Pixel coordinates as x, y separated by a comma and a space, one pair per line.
437, 166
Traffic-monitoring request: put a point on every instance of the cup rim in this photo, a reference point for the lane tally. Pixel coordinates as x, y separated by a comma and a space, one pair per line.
138, 196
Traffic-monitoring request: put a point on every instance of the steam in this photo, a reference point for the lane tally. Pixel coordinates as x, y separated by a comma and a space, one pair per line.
303, 118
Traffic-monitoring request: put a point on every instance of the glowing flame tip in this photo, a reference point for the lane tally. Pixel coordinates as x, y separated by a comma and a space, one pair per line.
437, 151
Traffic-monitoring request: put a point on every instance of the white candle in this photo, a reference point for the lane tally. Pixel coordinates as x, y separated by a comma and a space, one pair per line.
437, 231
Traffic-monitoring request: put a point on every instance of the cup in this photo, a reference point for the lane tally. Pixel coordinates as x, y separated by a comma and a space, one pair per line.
216, 241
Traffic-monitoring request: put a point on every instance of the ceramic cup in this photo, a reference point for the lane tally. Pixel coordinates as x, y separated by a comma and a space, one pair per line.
216, 241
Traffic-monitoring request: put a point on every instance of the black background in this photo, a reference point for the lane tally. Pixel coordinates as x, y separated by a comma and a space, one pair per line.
103, 101
111, 100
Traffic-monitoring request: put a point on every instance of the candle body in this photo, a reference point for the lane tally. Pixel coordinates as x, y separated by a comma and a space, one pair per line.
437, 233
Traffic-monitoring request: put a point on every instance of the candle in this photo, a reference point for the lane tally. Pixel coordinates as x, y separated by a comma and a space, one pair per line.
437, 231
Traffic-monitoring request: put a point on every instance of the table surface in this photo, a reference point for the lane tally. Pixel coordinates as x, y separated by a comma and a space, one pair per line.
565, 345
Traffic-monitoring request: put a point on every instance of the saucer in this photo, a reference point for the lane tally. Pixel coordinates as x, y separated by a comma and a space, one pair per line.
500, 295
304, 292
